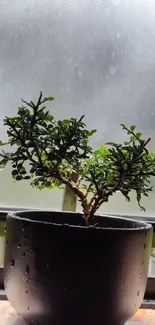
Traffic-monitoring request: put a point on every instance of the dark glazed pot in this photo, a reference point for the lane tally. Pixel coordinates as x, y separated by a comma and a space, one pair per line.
60, 272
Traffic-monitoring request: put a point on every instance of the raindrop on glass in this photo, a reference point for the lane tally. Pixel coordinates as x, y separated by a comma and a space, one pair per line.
112, 70
12, 263
27, 269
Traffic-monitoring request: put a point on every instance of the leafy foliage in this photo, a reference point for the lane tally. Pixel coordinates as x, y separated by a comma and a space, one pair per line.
49, 151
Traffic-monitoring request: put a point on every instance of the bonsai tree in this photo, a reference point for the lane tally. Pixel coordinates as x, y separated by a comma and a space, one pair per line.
56, 153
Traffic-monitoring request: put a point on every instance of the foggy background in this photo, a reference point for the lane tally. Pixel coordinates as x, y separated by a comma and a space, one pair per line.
96, 57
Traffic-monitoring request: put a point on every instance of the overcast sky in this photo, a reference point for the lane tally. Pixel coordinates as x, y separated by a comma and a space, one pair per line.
96, 57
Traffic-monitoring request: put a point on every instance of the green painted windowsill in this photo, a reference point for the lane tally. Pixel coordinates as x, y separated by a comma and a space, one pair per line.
2, 225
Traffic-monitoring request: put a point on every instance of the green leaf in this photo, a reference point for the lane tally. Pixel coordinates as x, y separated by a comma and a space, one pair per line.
138, 135
152, 155
51, 118
47, 99
123, 126
23, 172
48, 184
66, 121
32, 170
132, 127
132, 138
27, 177
15, 172
3, 163
109, 179
112, 144
38, 186
20, 166
84, 186
92, 132
19, 178
81, 118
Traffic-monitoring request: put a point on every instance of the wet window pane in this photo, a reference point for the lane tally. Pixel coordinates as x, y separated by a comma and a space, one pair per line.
152, 259
96, 58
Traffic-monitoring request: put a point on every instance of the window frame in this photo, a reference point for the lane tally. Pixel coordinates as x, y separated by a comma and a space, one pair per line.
149, 297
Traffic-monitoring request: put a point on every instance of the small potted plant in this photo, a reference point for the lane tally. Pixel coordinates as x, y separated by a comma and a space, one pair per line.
68, 267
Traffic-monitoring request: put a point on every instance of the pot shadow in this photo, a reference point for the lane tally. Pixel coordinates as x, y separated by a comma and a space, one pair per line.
21, 321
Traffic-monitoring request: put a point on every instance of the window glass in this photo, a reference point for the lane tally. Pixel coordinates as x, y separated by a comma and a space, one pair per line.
96, 58
152, 259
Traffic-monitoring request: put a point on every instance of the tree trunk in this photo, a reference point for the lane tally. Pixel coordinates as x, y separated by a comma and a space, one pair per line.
70, 198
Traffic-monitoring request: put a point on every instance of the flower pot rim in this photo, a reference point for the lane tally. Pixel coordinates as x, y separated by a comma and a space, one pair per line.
137, 225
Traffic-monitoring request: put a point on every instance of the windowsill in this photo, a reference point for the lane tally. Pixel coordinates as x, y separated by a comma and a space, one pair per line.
8, 316
143, 316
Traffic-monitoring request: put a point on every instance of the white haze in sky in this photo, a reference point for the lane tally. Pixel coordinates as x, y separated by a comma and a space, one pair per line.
96, 57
